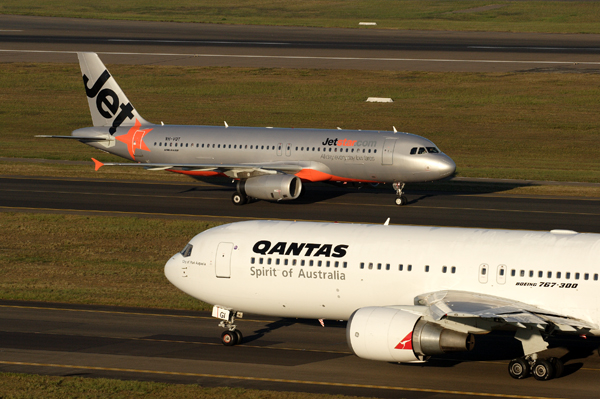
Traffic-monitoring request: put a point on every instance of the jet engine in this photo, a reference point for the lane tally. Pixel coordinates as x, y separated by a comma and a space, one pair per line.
271, 187
393, 335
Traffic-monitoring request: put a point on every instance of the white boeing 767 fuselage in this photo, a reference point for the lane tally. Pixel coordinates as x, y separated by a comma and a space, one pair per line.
399, 283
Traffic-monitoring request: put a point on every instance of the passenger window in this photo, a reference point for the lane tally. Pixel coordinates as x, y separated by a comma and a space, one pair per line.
558, 274
531, 273
252, 261
595, 276
453, 269
319, 263
549, 274
379, 266
568, 275
409, 268
260, 261
513, 272
586, 276
362, 265
345, 265
302, 262
387, 266
294, 262
444, 269
370, 265
576, 276
336, 264
269, 261
400, 267
277, 261
285, 262
311, 262
540, 274
426, 268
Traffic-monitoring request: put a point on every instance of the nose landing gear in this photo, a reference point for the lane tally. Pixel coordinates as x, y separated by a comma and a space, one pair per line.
400, 197
232, 336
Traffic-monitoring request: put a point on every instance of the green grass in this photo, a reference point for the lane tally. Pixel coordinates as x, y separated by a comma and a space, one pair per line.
115, 261
540, 126
22, 386
512, 16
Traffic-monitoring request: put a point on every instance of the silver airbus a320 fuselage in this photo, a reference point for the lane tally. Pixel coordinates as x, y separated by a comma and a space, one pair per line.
268, 163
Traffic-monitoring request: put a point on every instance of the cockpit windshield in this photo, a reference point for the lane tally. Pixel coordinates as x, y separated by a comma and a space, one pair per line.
187, 251
424, 150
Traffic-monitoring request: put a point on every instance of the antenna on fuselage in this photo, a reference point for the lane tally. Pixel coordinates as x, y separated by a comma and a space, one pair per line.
387, 222
395, 131
226, 125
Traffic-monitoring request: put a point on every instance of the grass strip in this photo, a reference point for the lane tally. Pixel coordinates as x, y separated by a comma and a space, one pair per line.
23, 386
473, 15
537, 126
115, 261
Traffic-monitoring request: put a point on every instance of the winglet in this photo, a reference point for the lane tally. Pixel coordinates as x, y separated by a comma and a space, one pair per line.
97, 164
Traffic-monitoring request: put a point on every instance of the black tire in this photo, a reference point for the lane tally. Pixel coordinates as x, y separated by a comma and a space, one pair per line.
229, 338
558, 365
542, 370
240, 337
404, 200
399, 201
238, 199
518, 368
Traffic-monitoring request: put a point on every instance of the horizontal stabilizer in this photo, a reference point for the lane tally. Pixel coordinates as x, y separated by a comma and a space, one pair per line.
80, 138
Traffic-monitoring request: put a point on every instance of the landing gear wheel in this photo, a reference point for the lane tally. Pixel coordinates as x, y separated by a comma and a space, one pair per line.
229, 338
239, 199
542, 370
518, 368
239, 335
401, 200
558, 365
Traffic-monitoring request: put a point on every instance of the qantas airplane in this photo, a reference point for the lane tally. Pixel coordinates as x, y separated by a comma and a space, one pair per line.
407, 292
268, 163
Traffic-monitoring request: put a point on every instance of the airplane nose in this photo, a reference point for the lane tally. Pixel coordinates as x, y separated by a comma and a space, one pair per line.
171, 269
447, 166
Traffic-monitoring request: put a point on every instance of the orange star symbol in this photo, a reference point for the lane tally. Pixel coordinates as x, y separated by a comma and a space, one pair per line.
135, 139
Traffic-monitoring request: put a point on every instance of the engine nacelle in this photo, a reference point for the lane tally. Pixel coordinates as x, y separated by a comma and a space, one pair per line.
393, 335
271, 187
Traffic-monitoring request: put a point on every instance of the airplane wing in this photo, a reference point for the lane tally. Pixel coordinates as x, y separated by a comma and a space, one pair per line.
230, 170
457, 305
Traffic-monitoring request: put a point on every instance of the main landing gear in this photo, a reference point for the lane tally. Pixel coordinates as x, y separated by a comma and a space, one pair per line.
239, 199
540, 369
400, 197
232, 336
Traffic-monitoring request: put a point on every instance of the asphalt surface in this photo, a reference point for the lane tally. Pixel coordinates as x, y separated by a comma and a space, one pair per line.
42, 39
321, 202
279, 354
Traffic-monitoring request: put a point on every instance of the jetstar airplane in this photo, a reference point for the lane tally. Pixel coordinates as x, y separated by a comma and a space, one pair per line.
268, 163
408, 292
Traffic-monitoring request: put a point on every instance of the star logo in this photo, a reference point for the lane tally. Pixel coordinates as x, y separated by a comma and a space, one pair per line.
406, 343
135, 139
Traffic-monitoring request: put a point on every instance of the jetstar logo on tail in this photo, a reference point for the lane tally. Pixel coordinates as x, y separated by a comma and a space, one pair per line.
135, 139
406, 343
107, 101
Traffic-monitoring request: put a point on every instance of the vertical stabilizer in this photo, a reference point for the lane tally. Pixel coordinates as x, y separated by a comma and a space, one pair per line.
108, 104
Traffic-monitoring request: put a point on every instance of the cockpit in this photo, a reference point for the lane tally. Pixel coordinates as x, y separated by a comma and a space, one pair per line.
187, 251
424, 150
